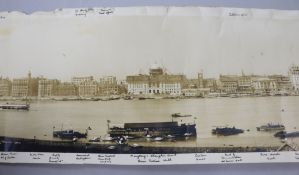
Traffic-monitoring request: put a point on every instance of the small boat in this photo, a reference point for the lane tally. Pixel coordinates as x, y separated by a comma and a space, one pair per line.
284, 134
108, 138
188, 134
177, 115
170, 136
158, 138
226, 131
95, 139
128, 97
271, 127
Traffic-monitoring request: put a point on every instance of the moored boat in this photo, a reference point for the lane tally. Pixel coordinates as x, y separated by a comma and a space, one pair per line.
153, 129
177, 115
15, 106
69, 134
226, 131
271, 127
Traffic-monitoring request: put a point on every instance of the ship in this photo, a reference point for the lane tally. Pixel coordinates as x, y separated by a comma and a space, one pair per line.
284, 134
15, 106
70, 134
226, 131
153, 129
271, 127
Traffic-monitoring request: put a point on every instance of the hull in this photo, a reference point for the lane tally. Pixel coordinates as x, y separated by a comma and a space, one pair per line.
227, 131
14, 107
69, 134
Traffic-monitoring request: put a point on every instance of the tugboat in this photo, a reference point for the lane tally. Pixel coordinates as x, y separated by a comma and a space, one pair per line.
271, 127
226, 131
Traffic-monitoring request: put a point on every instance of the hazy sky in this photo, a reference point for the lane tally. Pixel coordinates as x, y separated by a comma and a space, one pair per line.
61, 46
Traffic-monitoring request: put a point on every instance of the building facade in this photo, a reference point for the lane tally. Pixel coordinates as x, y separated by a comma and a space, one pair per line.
283, 83
108, 86
20, 87
47, 88
66, 89
88, 89
263, 85
294, 77
229, 83
5, 87
78, 80
156, 83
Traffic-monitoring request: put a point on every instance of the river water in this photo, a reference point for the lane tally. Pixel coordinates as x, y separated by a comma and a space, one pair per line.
246, 113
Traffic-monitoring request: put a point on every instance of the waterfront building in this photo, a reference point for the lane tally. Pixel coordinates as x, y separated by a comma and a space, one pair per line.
262, 85
20, 87
229, 83
157, 82
283, 83
66, 89
88, 88
5, 87
245, 85
78, 80
23, 87
46, 87
108, 86
294, 77
210, 83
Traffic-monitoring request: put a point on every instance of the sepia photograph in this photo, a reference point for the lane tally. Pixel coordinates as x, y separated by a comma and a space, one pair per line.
147, 85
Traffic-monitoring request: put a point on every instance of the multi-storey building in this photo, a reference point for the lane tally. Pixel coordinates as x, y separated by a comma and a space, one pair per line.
88, 88
263, 85
5, 86
47, 87
23, 87
66, 89
294, 77
211, 83
229, 83
78, 80
283, 83
108, 86
245, 85
157, 82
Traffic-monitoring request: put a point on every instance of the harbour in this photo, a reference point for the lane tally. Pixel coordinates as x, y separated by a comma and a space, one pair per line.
38, 123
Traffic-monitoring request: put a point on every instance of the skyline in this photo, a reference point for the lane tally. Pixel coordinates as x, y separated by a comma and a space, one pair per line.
58, 46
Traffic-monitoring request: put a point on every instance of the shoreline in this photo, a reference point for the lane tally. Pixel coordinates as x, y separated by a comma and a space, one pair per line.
105, 98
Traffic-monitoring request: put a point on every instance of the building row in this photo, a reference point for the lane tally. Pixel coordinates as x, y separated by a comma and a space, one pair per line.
156, 82
43, 87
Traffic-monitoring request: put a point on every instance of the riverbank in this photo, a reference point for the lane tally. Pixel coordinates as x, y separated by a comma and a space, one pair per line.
133, 97
34, 145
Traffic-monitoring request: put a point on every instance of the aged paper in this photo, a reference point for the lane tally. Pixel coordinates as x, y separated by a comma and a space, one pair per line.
149, 86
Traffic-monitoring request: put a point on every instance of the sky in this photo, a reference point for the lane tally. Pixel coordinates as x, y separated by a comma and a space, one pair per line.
184, 41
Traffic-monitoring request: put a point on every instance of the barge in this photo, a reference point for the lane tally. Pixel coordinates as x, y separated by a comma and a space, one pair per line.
271, 127
15, 106
154, 129
226, 131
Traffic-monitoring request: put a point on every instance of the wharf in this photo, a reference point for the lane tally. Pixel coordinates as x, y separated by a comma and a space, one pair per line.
34, 145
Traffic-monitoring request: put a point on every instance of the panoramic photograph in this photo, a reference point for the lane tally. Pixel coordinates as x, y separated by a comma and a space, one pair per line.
160, 80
